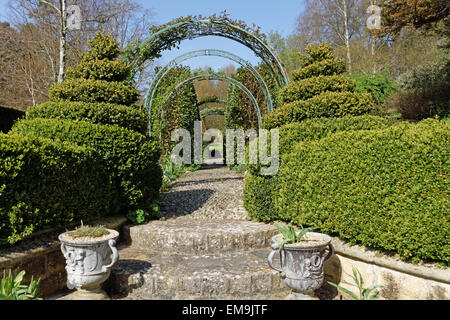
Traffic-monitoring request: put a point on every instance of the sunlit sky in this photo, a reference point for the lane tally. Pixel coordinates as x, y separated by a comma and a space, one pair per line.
269, 15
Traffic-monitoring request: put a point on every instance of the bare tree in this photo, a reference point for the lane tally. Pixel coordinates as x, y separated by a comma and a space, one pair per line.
57, 47
333, 21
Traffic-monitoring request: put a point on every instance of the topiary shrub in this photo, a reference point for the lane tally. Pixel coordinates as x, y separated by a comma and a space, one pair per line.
88, 90
386, 189
319, 90
133, 118
45, 183
131, 159
7, 118
327, 104
259, 191
100, 77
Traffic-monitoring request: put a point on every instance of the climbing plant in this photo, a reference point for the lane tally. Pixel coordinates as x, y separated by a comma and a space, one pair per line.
169, 35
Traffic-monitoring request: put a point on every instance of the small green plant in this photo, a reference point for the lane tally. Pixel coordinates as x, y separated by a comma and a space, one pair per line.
12, 289
88, 231
364, 294
290, 235
139, 216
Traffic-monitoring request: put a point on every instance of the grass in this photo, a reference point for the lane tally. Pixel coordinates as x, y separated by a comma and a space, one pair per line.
88, 231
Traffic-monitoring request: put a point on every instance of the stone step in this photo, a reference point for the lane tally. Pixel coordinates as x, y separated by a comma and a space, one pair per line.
184, 235
142, 275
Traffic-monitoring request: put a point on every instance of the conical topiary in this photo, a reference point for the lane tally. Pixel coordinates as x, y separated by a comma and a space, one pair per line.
100, 77
319, 90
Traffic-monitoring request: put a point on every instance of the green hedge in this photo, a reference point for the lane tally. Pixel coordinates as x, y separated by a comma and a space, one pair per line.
130, 117
88, 90
7, 118
45, 183
327, 104
385, 188
310, 87
96, 69
131, 159
327, 67
259, 191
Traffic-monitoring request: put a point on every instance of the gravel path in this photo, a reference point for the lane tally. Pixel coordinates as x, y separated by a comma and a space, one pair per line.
213, 192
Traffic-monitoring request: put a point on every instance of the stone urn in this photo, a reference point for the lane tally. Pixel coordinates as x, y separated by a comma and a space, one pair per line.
302, 262
89, 263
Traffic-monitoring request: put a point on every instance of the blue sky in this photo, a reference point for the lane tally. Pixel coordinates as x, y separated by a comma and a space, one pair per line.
269, 15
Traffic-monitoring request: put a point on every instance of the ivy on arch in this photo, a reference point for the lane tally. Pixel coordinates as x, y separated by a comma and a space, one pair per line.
169, 35
213, 76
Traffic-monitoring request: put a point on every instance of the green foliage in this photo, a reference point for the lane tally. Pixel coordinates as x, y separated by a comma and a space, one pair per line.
105, 69
7, 118
100, 77
364, 293
46, 184
290, 235
12, 289
88, 90
130, 158
140, 216
319, 90
240, 111
178, 112
260, 191
327, 104
88, 231
307, 88
130, 117
377, 84
102, 46
384, 188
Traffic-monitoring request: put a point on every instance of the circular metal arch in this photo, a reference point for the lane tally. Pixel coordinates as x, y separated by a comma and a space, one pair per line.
205, 52
211, 100
212, 111
192, 28
215, 76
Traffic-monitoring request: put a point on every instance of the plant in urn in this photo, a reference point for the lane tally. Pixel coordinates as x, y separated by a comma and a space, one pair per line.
87, 251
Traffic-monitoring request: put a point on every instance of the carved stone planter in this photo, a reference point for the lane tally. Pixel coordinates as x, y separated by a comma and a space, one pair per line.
302, 262
88, 264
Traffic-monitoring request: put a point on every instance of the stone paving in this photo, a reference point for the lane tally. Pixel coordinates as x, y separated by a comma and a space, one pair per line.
205, 249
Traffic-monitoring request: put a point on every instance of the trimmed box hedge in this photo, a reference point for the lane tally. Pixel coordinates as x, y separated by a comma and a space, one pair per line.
88, 90
310, 87
130, 158
327, 104
45, 183
385, 189
100, 69
259, 191
130, 117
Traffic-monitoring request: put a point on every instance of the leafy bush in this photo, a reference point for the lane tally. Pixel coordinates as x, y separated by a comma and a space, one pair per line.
105, 69
131, 159
382, 188
259, 192
328, 67
7, 118
88, 90
46, 183
310, 87
11, 288
319, 90
130, 117
140, 216
377, 84
327, 104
